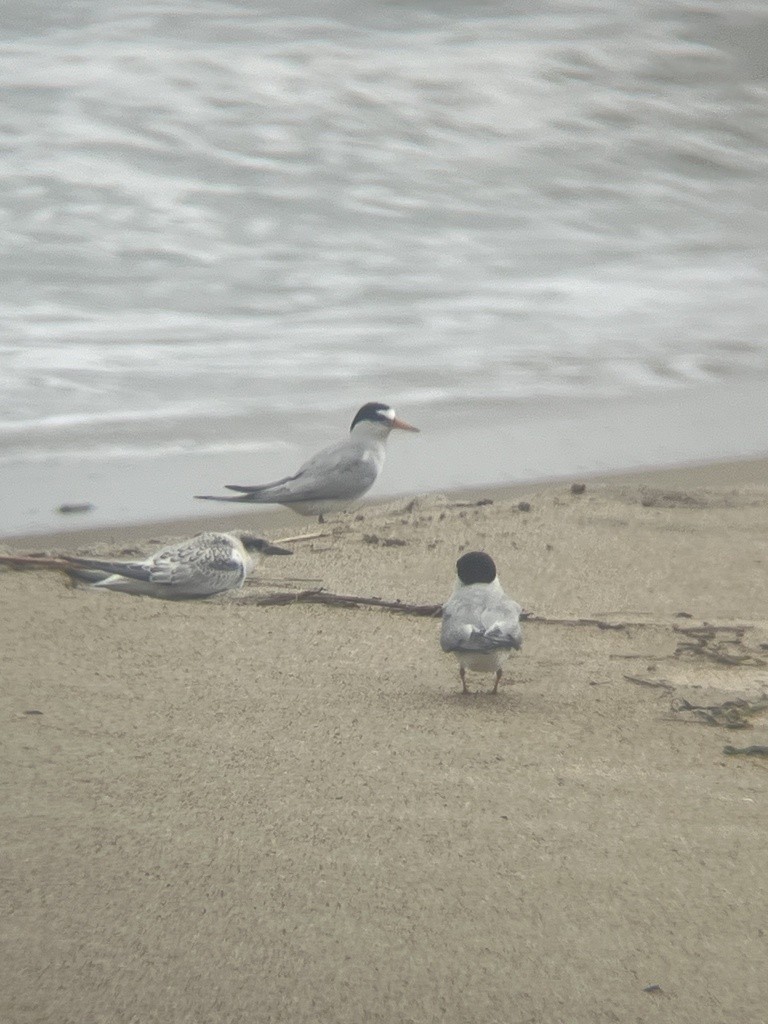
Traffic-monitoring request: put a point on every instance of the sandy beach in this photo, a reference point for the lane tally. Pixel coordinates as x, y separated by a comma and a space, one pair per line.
233, 812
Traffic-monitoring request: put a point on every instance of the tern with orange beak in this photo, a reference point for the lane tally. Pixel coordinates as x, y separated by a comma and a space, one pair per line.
335, 477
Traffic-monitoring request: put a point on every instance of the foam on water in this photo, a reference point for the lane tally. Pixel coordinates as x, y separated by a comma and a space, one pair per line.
224, 224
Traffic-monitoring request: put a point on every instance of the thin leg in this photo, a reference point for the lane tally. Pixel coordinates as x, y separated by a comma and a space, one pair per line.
463, 676
498, 679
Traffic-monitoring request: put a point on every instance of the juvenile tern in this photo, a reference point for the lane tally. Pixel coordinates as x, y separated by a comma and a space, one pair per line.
481, 625
204, 565
336, 476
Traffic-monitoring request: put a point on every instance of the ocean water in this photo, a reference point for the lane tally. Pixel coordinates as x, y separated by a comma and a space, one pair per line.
539, 230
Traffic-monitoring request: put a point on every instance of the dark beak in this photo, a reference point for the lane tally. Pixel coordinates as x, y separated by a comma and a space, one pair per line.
263, 546
273, 549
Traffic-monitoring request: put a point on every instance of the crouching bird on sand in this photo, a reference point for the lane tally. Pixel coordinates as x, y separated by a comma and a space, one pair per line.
481, 625
207, 564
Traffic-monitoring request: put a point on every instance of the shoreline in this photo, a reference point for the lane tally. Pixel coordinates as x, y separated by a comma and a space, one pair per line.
468, 446
272, 521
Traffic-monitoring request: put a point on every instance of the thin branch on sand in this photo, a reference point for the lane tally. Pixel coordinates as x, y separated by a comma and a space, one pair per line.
599, 623
432, 611
321, 596
34, 562
756, 750
656, 684
697, 644
300, 537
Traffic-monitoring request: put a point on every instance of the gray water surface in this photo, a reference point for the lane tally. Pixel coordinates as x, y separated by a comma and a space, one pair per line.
227, 225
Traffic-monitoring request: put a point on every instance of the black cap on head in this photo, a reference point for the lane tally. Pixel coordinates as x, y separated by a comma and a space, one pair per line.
476, 567
376, 412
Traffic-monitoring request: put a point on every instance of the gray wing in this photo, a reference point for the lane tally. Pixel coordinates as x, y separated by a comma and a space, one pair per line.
200, 566
132, 570
205, 564
470, 625
340, 471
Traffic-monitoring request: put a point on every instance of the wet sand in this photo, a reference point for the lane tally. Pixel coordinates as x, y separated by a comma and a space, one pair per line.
229, 812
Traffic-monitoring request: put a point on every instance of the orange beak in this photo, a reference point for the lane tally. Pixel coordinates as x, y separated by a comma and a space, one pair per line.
402, 425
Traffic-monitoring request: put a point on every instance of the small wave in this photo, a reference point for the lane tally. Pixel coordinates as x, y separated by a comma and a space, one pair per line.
222, 215
94, 419
107, 453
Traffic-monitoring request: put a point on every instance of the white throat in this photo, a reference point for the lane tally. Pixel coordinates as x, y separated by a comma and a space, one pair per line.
371, 431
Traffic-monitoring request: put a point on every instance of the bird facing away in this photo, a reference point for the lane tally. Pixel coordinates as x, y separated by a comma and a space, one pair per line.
481, 625
335, 477
204, 565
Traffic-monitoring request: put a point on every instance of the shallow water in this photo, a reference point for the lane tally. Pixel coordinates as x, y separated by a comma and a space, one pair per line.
538, 230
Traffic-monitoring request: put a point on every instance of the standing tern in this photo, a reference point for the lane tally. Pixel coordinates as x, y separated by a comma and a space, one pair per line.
204, 565
481, 625
336, 476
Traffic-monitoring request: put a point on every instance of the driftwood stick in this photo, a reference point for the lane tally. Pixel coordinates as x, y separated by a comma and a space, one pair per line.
756, 750
728, 659
704, 629
255, 581
322, 596
433, 611
343, 601
34, 562
299, 537
599, 623
655, 684
319, 595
